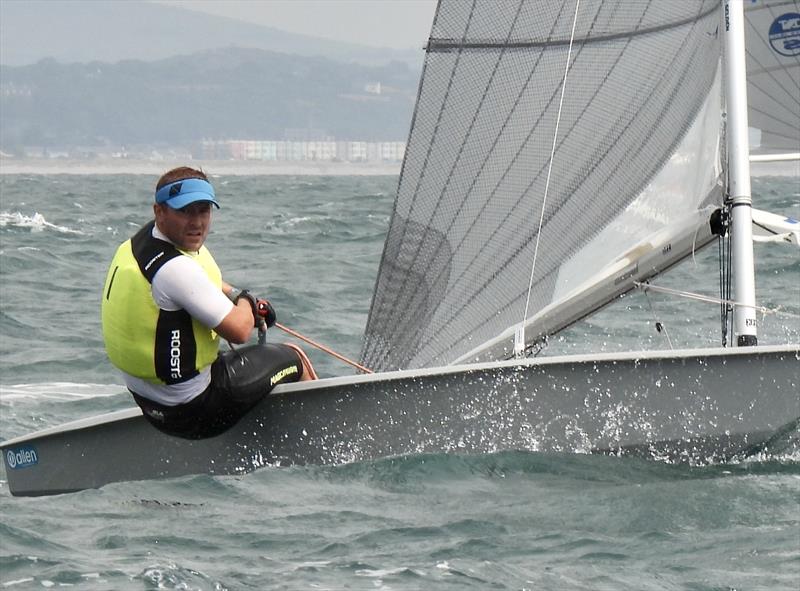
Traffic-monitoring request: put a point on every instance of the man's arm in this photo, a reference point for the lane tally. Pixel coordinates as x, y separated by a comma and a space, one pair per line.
181, 283
238, 324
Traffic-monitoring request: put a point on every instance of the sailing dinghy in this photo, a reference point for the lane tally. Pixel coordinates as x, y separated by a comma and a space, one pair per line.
561, 154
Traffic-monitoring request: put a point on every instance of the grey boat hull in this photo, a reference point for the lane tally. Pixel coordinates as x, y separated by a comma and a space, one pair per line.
695, 406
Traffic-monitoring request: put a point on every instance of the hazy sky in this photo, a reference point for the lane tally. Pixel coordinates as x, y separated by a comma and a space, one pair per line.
402, 24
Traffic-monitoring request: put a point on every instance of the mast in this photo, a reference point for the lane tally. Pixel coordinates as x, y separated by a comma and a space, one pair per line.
739, 173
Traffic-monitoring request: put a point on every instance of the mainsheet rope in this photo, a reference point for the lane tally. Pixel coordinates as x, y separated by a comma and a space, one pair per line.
322, 347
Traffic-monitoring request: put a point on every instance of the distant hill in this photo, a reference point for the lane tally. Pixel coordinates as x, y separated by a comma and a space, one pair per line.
221, 93
112, 30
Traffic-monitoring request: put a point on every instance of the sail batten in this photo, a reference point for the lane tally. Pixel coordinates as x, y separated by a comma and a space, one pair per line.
443, 45
457, 259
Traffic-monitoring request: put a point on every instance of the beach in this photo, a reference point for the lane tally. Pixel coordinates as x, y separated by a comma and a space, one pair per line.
214, 167
105, 166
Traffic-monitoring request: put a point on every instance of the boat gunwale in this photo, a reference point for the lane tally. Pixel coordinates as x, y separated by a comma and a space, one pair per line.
398, 375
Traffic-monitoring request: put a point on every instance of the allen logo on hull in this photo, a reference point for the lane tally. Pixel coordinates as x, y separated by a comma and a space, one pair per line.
21, 457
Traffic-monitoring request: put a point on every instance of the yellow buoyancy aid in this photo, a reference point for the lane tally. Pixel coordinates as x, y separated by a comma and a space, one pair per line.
160, 346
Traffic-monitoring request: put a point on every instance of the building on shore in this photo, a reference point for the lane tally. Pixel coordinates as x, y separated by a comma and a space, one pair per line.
324, 150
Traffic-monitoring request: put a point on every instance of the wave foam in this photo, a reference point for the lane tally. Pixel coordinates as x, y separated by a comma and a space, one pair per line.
58, 391
36, 222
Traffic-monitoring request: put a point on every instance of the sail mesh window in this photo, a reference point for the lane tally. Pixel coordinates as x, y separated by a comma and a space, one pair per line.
457, 259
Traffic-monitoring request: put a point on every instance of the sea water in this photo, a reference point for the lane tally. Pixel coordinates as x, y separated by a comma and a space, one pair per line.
514, 520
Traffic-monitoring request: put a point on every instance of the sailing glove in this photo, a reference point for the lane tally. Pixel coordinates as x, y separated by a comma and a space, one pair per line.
267, 312
262, 309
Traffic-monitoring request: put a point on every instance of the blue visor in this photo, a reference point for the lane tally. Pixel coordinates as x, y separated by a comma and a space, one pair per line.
181, 193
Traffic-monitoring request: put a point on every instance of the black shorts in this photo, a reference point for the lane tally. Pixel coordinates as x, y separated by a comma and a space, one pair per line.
239, 379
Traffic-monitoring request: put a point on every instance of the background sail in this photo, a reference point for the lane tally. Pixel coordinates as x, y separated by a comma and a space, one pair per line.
773, 74
459, 252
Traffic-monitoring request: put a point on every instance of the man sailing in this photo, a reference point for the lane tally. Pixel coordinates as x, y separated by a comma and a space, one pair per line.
164, 308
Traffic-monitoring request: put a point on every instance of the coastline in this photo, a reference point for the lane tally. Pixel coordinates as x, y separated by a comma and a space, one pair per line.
211, 167
102, 166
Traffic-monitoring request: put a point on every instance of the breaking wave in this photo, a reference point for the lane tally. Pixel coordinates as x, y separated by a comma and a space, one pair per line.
36, 223
61, 391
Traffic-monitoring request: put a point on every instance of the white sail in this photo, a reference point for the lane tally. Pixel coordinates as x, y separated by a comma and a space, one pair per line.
773, 75
635, 140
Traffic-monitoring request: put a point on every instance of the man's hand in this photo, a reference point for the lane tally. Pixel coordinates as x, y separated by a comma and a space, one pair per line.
262, 309
265, 310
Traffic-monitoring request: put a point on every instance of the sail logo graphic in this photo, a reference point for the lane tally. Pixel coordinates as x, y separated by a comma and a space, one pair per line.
21, 457
784, 34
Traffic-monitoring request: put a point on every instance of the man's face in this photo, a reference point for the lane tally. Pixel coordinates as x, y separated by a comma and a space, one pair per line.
188, 227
